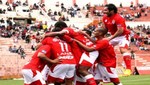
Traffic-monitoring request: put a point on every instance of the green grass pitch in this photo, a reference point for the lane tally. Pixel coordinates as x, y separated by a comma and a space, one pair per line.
130, 80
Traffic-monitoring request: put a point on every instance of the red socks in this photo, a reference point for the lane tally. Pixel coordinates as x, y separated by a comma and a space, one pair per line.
127, 60
90, 80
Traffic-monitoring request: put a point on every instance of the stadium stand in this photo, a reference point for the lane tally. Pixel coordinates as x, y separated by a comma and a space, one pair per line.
11, 63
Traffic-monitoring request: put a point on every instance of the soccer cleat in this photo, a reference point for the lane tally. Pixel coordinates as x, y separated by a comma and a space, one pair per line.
127, 72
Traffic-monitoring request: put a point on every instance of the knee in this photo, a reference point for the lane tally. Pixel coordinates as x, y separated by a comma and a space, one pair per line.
80, 70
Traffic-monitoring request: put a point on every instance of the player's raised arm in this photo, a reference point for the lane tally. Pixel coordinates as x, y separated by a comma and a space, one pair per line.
51, 34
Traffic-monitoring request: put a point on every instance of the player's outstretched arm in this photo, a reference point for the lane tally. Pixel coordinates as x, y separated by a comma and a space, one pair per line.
48, 60
51, 34
84, 46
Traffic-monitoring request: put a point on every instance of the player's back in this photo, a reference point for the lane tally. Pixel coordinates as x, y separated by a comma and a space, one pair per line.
62, 50
79, 36
77, 51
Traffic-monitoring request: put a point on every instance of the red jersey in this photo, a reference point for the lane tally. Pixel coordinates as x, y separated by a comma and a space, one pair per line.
60, 49
76, 35
114, 22
77, 52
47, 40
36, 63
107, 56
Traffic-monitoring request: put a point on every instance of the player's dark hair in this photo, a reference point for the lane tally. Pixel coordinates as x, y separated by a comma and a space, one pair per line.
111, 7
60, 25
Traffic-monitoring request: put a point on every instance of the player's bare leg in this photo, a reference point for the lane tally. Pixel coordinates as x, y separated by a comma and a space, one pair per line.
83, 70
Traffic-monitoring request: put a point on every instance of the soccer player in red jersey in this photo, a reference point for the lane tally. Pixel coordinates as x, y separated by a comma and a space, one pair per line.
64, 71
106, 67
32, 70
62, 50
119, 33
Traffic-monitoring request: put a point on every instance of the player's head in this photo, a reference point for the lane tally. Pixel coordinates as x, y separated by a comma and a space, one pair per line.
109, 9
60, 25
100, 32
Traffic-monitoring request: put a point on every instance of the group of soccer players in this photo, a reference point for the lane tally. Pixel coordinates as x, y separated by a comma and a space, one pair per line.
77, 58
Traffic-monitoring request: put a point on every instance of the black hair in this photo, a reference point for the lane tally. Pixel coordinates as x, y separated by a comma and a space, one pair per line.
111, 7
59, 26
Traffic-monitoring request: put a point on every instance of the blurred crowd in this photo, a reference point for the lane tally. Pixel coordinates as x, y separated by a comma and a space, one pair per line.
31, 33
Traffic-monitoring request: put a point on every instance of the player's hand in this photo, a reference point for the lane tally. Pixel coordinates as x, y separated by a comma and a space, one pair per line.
57, 61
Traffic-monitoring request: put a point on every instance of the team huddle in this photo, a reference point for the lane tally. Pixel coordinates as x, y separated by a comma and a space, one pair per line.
70, 57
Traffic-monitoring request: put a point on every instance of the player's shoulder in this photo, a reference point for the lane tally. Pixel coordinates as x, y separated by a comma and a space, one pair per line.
45, 46
118, 17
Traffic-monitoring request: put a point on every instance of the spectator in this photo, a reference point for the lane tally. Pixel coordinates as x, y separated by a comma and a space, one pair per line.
14, 49
22, 53
132, 54
120, 5
87, 15
27, 39
10, 48
1, 2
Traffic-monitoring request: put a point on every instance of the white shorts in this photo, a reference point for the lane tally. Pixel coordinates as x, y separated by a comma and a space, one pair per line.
62, 71
31, 76
121, 41
88, 60
45, 72
106, 74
